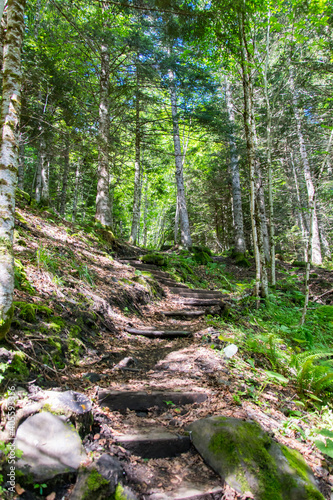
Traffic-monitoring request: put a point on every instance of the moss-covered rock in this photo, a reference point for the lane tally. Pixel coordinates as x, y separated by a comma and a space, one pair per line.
154, 258
98, 481
201, 255
28, 311
299, 263
240, 259
248, 459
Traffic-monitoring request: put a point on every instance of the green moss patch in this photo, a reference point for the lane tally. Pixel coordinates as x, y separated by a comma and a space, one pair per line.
156, 259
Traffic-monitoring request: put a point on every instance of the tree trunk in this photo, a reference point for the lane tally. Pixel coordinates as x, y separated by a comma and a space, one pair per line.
145, 213
250, 145
10, 112
301, 221
137, 175
235, 178
183, 214
20, 182
269, 158
103, 209
76, 191
45, 174
316, 251
63, 197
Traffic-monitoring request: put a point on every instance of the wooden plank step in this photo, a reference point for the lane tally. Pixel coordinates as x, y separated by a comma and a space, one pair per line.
159, 334
172, 284
199, 302
160, 274
183, 312
180, 290
154, 443
194, 295
190, 491
145, 267
142, 400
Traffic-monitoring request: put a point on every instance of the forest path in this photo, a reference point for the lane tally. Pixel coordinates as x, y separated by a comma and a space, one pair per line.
153, 407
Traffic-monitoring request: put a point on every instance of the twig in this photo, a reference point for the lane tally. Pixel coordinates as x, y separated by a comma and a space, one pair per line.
322, 295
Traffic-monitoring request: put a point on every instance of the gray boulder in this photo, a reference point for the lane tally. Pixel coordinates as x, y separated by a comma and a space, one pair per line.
50, 447
248, 459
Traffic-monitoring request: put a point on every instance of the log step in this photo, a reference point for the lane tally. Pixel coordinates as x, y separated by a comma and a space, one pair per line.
199, 302
183, 312
154, 443
172, 284
180, 290
190, 491
142, 400
160, 274
160, 334
188, 294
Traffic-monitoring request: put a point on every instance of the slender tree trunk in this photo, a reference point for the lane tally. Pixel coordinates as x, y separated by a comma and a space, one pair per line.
103, 209
10, 112
183, 214
65, 173
316, 251
20, 182
137, 175
301, 221
2, 6
76, 191
269, 159
145, 212
250, 144
235, 178
40, 161
176, 230
308, 267
45, 174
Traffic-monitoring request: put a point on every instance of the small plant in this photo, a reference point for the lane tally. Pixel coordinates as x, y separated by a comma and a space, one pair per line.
169, 403
327, 446
314, 371
41, 487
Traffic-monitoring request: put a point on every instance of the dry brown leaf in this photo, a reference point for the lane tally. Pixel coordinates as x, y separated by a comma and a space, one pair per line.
97, 436
51, 496
19, 490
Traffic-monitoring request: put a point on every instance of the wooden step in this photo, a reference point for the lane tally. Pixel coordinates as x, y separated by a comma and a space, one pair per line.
188, 294
142, 400
160, 334
181, 291
199, 302
154, 443
172, 284
145, 267
183, 312
190, 491
160, 274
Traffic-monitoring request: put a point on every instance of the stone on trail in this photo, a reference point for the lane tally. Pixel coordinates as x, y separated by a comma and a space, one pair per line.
248, 460
190, 492
99, 480
50, 447
230, 350
74, 405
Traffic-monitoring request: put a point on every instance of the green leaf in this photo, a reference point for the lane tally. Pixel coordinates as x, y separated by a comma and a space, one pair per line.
277, 376
327, 448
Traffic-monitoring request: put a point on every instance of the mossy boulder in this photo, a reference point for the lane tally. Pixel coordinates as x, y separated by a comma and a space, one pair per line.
99, 480
156, 259
249, 460
201, 254
299, 263
240, 259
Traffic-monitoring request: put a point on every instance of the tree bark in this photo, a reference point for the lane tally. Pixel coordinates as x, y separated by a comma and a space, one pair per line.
63, 197
20, 182
103, 209
315, 246
137, 170
269, 158
183, 214
240, 246
10, 112
76, 191
145, 212
250, 146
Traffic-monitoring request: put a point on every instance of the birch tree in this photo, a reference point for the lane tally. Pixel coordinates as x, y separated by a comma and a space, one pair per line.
9, 154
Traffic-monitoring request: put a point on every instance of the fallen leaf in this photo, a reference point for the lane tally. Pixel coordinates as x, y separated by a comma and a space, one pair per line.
19, 490
97, 436
51, 496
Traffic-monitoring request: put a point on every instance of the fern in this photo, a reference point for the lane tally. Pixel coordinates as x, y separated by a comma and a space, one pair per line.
311, 375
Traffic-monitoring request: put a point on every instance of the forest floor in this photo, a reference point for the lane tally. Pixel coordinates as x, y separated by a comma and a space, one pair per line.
74, 300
